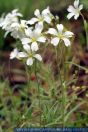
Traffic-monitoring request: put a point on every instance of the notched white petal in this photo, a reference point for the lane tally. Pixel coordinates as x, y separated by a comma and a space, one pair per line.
37, 13
47, 19
60, 27
55, 41
38, 28
68, 34
52, 31
71, 9
80, 7
38, 57
27, 47
76, 16
41, 39
76, 3
22, 55
70, 15
34, 46
66, 41
29, 61
32, 21
46, 11
26, 40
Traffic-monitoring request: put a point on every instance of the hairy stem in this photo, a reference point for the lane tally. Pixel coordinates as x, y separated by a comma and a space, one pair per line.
38, 89
85, 27
62, 90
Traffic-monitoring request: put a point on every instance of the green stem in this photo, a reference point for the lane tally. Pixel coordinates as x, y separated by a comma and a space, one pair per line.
85, 27
38, 90
63, 102
28, 73
63, 90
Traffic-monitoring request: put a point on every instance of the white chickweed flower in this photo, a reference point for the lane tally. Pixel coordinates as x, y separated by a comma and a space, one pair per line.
2, 20
18, 29
14, 54
59, 35
45, 16
9, 19
74, 11
29, 54
34, 37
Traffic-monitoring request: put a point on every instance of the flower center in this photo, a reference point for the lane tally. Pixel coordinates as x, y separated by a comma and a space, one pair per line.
33, 39
30, 55
21, 28
60, 36
41, 19
77, 10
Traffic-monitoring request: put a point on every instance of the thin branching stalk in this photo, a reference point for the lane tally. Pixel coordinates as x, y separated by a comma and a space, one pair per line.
62, 89
85, 27
28, 73
35, 69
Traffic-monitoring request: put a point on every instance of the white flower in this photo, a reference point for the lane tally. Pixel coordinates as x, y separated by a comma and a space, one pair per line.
1, 20
45, 16
59, 35
18, 29
74, 11
29, 54
9, 19
34, 36
14, 54
15, 13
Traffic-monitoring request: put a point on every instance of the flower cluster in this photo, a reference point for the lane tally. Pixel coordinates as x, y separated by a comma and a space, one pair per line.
32, 33
7, 21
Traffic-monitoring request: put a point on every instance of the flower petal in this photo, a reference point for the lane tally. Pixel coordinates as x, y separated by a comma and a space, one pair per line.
38, 57
47, 19
14, 53
46, 11
60, 28
66, 41
26, 47
29, 61
80, 7
15, 24
70, 15
23, 24
14, 11
40, 23
52, 31
26, 41
29, 32
55, 41
41, 39
71, 9
68, 34
22, 55
37, 13
38, 28
76, 3
76, 16
34, 46
32, 21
